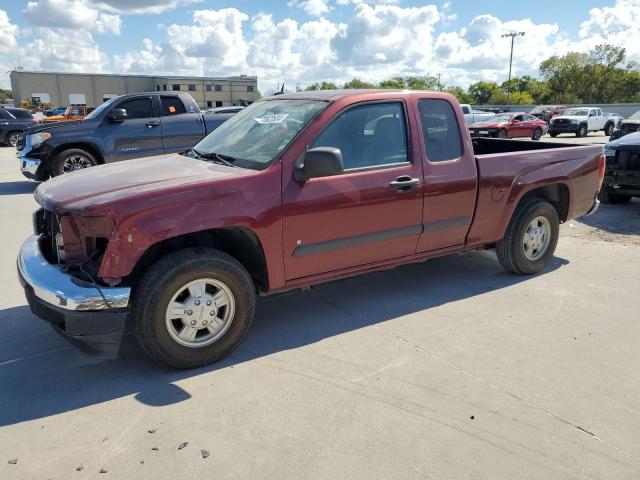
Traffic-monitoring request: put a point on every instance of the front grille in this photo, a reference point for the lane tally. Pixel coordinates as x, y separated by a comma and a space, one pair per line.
562, 121
628, 161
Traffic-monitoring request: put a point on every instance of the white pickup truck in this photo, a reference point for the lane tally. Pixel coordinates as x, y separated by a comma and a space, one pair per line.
474, 116
581, 121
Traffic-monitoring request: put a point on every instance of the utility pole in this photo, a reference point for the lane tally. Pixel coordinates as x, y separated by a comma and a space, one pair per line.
439, 75
513, 36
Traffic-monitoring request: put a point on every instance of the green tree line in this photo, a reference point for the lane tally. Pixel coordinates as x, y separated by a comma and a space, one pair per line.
602, 75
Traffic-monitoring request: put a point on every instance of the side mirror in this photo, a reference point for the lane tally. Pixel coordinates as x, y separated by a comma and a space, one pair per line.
318, 162
118, 115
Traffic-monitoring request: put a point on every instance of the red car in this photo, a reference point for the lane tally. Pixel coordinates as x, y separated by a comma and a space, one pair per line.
292, 191
510, 125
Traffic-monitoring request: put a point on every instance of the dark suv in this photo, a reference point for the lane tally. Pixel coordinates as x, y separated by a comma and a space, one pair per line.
13, 123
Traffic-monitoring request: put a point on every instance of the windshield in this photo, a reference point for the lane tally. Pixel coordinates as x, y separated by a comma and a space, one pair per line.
101, 108
255, 136
500, 118
577, 112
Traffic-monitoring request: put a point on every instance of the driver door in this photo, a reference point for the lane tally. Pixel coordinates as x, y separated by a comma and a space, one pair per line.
140, 135
363, 215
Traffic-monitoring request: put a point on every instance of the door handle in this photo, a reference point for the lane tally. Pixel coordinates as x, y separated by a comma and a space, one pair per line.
153, 123
404, 183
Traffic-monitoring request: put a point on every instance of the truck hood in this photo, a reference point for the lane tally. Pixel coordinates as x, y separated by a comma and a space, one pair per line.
570, 117
628, 142
47, 127
127, 181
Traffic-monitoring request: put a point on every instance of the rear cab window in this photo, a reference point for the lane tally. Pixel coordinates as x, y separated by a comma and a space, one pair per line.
172, 105
440, 130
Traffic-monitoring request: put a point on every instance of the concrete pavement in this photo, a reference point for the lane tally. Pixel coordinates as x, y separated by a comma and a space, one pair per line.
451, 369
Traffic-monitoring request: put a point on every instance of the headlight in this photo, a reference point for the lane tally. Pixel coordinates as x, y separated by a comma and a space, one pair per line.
573, 120
38, 138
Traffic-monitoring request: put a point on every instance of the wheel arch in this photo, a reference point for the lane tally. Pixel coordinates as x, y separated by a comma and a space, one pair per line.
557, 194
239, 242
88, 146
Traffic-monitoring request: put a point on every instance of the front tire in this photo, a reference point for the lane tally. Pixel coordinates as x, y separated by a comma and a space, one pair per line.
530, 239
553, 134
502, 134
71, 160
582, 131
193, 307
608, 129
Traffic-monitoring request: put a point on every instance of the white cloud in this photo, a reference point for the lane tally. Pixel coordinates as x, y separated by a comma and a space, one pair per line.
141, 6
8, 33
72, 14
617, 25
315, 8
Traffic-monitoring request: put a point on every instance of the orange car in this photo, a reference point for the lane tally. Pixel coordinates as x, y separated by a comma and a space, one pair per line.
74, 112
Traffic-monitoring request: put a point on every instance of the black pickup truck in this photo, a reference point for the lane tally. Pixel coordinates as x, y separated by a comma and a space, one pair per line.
622, 175
129, 126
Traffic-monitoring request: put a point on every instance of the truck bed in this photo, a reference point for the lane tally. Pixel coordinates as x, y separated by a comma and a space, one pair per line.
507, 169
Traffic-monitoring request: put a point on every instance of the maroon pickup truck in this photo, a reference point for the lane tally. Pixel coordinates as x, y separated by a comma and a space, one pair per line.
293, 191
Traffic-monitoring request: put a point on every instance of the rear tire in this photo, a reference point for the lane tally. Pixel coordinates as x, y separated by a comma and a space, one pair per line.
537, 134
71, 160
159, 327
535, 222
12, 138
606, 196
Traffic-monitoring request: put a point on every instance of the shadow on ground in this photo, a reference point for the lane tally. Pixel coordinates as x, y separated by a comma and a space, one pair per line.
622, 218
16, 188
41, 376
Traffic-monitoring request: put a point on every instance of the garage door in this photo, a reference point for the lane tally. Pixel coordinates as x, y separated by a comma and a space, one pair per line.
77, 99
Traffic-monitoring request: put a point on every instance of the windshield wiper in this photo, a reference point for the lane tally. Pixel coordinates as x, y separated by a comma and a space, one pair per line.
216, 157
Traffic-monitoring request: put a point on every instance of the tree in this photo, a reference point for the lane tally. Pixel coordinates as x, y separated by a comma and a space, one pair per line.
4, 94
460, 94
357, 83
481, 92
321, 86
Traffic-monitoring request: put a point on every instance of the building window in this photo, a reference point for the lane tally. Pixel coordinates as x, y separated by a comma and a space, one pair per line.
218, 103
164, 87
208, 87
192, 87
209, 102
249, 88
175, 87
157, 88
218, 88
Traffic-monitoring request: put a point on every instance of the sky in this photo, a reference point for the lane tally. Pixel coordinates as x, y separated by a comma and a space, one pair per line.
300, 42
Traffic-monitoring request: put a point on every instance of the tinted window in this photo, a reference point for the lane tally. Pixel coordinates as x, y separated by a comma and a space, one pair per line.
368, 135
518, 118
172, 106
18, 113
138, 108
440, 129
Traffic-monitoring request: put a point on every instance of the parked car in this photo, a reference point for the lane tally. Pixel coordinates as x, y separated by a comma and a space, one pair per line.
50, 112
630, 125
125, 127
622, 175
295, 190
217, 116
510, 125
616, 117
547, 112
74, 112
474, 116
581, 121
13, 123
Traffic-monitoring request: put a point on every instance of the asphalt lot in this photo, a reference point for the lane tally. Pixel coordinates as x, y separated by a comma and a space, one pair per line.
451, 369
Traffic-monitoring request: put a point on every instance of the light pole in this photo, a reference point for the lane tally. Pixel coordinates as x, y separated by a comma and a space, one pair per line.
513, 36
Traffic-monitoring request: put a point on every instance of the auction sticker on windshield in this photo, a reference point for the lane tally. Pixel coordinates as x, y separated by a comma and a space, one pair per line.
272, 118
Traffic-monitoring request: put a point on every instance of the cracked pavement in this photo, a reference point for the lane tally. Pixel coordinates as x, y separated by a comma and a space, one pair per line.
447, 369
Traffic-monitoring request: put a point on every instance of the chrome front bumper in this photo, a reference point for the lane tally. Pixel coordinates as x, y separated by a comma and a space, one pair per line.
29, 166
59, 289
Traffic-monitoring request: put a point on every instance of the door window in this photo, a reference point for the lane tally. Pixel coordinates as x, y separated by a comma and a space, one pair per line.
518, 118
442, 138
172, 106
368, 135
137, 108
